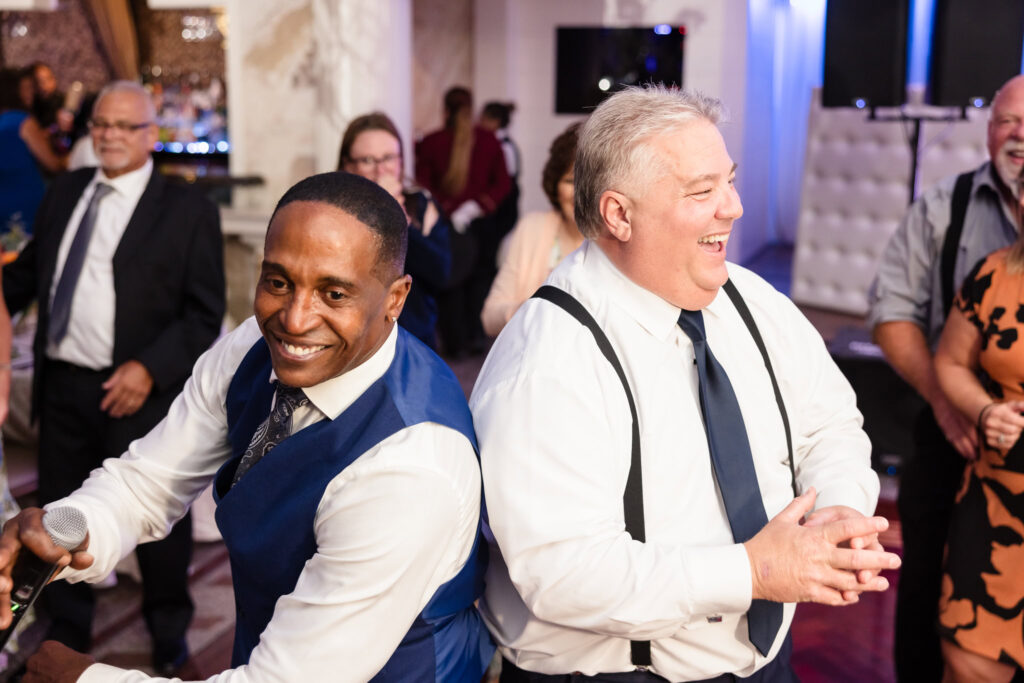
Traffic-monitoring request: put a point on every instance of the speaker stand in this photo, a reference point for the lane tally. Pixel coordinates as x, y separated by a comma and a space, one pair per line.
914, 137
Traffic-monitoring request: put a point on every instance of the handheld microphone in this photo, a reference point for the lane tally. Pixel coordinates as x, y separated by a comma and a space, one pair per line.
67, 528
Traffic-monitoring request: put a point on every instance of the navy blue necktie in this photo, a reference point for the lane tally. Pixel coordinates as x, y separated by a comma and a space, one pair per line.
60, 309
733, 465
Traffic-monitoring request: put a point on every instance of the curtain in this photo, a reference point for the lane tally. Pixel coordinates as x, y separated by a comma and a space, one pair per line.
798, 64
116, 36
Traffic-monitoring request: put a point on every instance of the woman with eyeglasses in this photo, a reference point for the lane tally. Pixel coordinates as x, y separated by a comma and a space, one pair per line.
24, 152
372, 148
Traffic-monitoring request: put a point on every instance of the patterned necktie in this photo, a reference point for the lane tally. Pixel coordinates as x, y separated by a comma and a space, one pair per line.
733, 465
60, 309
272, 431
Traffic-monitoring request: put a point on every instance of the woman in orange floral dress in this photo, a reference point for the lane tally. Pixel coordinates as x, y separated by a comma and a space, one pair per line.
980, 365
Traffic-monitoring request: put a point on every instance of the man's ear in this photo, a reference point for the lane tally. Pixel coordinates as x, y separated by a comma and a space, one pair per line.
616, 210
397, 292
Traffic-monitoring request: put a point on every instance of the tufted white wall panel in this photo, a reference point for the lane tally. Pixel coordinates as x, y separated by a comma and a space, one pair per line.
949, 148
854, 193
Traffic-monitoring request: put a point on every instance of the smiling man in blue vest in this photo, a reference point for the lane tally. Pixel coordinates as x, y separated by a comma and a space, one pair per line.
343, 459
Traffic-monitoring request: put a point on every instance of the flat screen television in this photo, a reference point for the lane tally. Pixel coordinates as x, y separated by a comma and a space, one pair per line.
593, 62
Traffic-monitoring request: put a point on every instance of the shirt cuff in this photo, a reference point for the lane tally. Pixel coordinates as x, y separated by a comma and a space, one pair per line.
719, 578
850, 496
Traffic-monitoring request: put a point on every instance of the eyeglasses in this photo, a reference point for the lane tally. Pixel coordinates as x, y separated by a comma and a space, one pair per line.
120, 126
370, 163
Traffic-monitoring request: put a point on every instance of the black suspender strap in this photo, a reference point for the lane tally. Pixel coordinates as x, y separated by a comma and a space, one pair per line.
951, 242
633, 496
633, 499
748, 320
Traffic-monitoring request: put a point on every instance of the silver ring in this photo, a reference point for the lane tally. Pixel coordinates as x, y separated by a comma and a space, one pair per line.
1000, 439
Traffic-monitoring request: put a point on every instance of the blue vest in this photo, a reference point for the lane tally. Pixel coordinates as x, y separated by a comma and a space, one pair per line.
267, 518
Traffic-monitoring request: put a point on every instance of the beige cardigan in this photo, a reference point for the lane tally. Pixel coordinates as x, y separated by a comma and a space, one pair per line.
525, 268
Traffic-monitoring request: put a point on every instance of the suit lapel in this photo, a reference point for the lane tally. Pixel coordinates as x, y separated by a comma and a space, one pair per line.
145, 216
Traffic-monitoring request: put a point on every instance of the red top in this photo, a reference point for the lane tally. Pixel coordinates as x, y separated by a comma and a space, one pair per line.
487, 181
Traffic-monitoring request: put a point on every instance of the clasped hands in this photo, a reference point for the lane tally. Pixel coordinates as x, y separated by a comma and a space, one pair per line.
831, 557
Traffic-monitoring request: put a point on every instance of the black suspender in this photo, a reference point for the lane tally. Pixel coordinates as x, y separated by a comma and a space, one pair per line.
748, 320
951, 242
633, 496
633, 500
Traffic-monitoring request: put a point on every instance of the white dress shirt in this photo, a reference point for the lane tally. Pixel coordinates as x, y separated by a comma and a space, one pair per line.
89, 341
390, 529
570, 587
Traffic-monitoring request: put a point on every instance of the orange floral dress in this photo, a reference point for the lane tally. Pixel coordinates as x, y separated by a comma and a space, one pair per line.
981, 608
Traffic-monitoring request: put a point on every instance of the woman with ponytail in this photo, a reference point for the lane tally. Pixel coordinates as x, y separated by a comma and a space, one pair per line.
463, 166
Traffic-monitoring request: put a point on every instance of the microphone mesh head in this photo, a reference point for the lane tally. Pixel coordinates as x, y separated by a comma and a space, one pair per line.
66, 526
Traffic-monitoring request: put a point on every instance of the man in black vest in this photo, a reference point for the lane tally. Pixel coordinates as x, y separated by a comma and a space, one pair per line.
944, 234
128, 272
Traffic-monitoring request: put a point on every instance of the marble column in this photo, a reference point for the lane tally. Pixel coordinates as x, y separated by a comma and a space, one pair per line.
298, 72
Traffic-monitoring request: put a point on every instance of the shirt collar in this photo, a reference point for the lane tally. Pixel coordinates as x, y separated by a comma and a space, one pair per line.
649, 310
131, 184
985, 177
331, 397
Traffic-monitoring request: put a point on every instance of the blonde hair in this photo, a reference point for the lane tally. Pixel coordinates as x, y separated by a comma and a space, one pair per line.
458, 105
1015, 257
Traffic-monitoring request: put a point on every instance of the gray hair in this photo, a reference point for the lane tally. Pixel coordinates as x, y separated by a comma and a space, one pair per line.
613, 151
129, 87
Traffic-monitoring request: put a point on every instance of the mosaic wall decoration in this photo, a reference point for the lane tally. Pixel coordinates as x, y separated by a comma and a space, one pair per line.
62, 38
177, 43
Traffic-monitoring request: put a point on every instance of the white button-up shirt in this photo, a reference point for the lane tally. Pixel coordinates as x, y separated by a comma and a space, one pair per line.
89, 341
570, 588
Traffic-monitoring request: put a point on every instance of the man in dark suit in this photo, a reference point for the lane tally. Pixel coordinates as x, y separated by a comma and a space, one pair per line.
128, 272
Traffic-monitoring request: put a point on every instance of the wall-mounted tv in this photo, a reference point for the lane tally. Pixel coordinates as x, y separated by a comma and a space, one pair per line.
593, 62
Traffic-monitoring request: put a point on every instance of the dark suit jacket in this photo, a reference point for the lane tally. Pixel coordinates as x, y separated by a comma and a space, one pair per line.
168, 278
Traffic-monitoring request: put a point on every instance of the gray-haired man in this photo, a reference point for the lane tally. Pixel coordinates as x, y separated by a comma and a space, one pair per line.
684, 577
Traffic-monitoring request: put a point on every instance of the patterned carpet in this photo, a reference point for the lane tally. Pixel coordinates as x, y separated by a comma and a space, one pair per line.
119, 634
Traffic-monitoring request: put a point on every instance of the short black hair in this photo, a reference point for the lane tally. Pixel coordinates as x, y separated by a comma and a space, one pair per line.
500, 112
368, 203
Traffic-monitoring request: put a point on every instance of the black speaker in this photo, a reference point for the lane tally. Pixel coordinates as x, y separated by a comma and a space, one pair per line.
865, 53
976, 47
